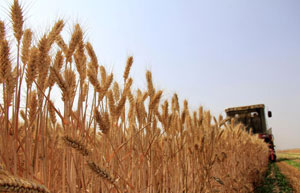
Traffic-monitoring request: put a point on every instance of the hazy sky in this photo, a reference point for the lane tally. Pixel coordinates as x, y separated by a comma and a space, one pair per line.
217, 54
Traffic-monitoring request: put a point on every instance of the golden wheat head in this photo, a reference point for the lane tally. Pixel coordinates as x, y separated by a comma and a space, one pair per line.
76, 145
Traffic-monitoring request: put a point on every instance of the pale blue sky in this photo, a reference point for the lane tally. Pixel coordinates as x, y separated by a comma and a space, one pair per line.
215, 53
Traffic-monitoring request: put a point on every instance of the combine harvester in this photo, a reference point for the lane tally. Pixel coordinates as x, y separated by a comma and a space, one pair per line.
253, 117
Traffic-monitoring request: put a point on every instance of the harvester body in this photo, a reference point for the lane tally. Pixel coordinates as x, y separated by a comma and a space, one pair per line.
254, 119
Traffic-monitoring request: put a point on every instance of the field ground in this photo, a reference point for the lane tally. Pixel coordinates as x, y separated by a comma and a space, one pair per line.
284, 175
275, 182
289, 164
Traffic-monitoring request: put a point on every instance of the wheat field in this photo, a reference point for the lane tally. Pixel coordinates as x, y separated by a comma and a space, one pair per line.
107, 137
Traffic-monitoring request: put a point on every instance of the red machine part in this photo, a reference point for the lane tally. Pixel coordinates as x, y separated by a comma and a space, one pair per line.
269, 140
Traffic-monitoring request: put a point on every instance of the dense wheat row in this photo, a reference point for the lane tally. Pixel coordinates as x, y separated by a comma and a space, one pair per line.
107, 137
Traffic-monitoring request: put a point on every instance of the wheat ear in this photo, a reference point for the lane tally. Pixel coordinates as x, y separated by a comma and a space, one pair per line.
26, 43
9, 183
76, 145
73, 42
2, 30
127, 68
100, 172
55, 31
151, 91
17, 19
93, 57
103, 121
5, 63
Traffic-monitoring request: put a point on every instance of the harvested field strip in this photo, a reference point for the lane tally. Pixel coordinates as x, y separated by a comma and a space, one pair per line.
274, 182
293, 163
289, 155
292, 174
297, 160
290, 151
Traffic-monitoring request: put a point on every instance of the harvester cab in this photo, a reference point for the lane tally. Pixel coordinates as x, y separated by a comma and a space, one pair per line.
254, 119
